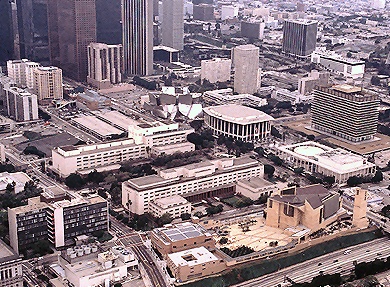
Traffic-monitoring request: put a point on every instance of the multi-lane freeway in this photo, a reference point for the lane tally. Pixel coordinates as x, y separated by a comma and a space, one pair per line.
341, 261
129, 238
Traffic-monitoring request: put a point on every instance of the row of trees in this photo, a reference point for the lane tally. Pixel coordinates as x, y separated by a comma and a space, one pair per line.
177, 159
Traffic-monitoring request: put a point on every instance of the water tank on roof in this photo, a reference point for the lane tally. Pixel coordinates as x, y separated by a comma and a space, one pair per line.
87, 250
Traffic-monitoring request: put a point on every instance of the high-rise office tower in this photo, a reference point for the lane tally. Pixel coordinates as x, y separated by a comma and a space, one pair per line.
48, 83
108, 21
104, 65
32, 29
299, 37
137, 34
246, 67
72, 27
172, 26
346, 112
6, 32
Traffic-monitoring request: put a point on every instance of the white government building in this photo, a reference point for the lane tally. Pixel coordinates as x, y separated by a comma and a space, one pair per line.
238, 122
318, 158
192, 179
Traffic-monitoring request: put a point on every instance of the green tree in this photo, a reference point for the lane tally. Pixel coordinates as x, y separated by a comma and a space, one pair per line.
185, 216
354, 181
378, 177
269, 170
166, 218
74, 181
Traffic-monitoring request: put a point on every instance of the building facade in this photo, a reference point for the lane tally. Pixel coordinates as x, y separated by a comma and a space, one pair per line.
317, 158
252, 29
72, 27
203, 12
246, 69
57, 217
48, 83
299, 37
11, 273
105, 64
216, 70
137, 36
187, 181
346, 112
238, 122
306, 85
172, 26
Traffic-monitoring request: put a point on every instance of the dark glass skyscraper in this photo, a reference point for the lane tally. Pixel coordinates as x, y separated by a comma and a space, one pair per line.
108, 22
299, 37
72, 27
8, 33
137, 34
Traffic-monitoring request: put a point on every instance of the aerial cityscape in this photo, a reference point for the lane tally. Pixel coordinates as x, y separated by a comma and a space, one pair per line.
194, 143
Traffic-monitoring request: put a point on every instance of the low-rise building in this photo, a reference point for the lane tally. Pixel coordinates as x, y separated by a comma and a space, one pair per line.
16, 179
183, 236
194, 264
85, 266
194, 182
347, 67
93, 100
70, 159
257, 187
165, 54
226, 97
238, 122
173, 148
294, 97
313, 206
317, 158
56, 216
11, 273
173, 205
104, 130
158, 134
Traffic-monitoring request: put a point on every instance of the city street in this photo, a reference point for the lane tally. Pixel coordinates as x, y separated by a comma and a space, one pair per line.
335, 262
132, 239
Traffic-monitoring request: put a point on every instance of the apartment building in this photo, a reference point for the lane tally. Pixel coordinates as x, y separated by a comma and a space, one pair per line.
21, 72
69, 159
48, 83
56, 216
190, 179
20, 105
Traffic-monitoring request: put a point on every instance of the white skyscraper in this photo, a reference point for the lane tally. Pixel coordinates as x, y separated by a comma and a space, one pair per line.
104, 65
172, 26
246, 67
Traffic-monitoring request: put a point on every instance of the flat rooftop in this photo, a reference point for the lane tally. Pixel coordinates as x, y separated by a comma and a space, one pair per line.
192, 257
248, 47
144, 182
6, 253
302, 21
181, 231
94, 124
238, 114
117, 119
175, 199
